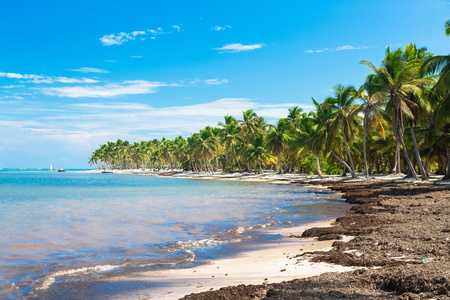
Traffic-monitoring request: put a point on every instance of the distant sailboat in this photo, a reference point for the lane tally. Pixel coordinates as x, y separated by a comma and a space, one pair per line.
51, 168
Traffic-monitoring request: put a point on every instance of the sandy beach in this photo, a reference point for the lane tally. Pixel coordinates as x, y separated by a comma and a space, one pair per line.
268, 263
400, 249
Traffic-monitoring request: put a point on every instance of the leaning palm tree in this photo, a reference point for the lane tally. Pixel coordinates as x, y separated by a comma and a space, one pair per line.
345, 113
374, 99
324, 137
398, 78
416, 101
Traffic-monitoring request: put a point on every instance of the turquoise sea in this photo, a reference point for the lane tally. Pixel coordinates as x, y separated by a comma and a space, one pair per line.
60, 227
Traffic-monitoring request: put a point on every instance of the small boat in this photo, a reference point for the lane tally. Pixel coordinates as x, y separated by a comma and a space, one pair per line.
107, 172
61, 170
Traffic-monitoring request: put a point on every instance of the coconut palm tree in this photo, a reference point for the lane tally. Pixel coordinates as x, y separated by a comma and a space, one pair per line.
418, 104
257, 152
277, 139
374, 100
398, 78
345, 113
248, 124
294, 115
230, 134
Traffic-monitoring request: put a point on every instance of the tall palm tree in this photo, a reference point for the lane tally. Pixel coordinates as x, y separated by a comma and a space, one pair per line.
248, 124
398, 78
374, 99
345, 114
324, 134
418, 104
230, 131
294, 115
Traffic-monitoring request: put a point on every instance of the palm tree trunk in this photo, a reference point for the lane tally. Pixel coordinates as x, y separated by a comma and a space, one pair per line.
237, 160
364, 149
348, 152
447, 174
318, 165
279, 163
408, 160
342, 162
260, 167
416, 150
226, 156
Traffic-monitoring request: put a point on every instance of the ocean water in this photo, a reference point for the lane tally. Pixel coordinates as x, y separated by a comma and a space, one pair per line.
59, 227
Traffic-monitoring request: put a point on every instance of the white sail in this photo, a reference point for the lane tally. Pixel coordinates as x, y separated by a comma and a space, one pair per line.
51, 167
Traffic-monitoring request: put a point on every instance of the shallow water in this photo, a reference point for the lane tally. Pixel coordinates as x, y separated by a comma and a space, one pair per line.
56, 227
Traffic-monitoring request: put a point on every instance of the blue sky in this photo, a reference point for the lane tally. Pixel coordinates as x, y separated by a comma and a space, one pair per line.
76, 74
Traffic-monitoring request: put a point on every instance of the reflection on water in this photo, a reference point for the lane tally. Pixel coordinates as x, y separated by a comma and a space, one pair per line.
55, 225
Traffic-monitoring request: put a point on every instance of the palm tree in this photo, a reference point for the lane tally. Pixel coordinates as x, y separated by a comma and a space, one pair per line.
294, 115
230, 133
304, 138
324, 134
398, 78
277, 139
257, 152
374, 99
447, 27
418, 104
248, 124
345, 114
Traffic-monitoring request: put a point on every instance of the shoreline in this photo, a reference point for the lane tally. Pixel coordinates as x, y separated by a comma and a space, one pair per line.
272, 176
401, 247
253, 263
263, 263
370, 258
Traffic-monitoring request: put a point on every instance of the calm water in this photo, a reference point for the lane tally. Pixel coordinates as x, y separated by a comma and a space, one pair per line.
56, 227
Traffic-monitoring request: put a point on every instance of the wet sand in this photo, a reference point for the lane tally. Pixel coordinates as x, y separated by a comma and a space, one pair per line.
268, 263
401, 247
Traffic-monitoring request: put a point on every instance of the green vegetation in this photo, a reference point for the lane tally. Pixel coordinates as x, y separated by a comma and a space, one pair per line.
403, 124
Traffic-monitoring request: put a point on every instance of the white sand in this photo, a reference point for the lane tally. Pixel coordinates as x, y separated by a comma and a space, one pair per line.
269, 263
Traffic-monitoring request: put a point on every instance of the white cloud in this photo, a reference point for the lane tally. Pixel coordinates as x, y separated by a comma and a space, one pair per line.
220, 28
140, 32
348, 47
136, 56
340, 48
112, 39
12, 86
82, 127
46, 79
394, 45
89, 70
123, 37
130, 87
215, 81
12, 97
237, 47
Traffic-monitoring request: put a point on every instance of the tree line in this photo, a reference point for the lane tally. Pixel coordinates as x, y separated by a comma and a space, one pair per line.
397, 121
